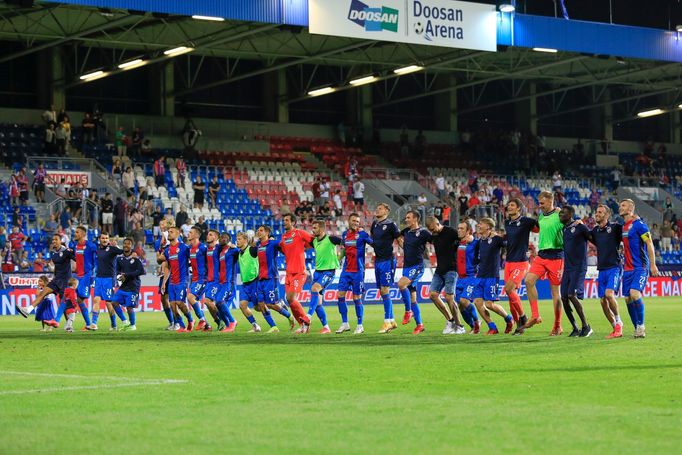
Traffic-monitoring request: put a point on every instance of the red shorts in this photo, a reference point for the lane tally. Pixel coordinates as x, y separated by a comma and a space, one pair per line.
515, 271
294, 282
551, 269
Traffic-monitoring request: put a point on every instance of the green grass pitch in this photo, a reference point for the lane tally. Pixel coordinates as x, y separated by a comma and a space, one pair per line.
256, 393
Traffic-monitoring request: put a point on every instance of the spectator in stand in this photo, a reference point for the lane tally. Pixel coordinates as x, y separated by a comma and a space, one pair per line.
440, 186
3, 238
419, 144
556, 181
181, 166
447, 211
199, 188
463, 204
87, 129
483, 197
359, 195
120, 141
666, 237
107, 213
213, 189
186, 227
65, 218
325, 212
139, 251
22, 182
128, 180
146, 148
39, 263
17, 219
50, 140
559, 198
473, 182
157, 216
136, 142
474, 201
24, 264
595, 197
324, 192
404, 142
49, 116
117, 170
100, 126
39, 176
656, 236
422, 200
316, 191
137, 233
284, 209
338, 204
136, 217
160, 171
62, 115
62, 135
181, 217
120, 212
61, 189
14, 189
203, 225
50, 226
16, 241
498, 194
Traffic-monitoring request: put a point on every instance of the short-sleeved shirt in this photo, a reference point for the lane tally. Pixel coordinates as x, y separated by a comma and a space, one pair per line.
488, 256
293, 245
517, 235
445, 243
607, 239
414, 245
354, 243
576, 236
634, 247
384, 234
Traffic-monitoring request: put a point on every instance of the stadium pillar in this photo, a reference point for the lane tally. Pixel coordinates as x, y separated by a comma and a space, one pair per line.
677, 127
526, 111
275, 108
161, 87
445, 105
601, 120
359, 107
57, 91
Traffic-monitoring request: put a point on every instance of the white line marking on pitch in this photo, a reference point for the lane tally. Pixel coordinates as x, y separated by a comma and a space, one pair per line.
135, 382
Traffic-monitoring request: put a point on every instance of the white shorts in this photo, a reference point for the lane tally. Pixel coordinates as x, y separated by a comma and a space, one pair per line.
107, 218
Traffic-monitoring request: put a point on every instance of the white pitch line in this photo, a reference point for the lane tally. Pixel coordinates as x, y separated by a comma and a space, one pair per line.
92, 387
82, 376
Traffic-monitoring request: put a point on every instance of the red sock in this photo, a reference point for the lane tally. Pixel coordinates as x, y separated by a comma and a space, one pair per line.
557, 316
299, 313
515, 305
534, 311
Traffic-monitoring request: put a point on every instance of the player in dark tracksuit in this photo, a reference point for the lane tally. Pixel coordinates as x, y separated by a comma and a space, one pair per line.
576, 235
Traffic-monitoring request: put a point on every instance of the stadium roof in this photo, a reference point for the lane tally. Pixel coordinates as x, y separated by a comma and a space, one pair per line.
126, 35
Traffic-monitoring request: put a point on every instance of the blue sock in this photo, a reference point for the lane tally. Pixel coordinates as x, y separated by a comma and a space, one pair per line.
388, 306
179, 321
508, 318
284, 312
85, 312
251, 319
466, 315
225, 313
405, 293
474, 313
492, 326
132, 316
314, 301
639, 311
268, 318
188, 315
343, 309
169, 315
95, 316
197, 310
112, 318
119, 312
322, 315
60, 311
416, 313
359, 310
633, 313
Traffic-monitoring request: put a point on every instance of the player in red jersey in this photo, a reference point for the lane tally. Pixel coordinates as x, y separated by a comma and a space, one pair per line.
293, 245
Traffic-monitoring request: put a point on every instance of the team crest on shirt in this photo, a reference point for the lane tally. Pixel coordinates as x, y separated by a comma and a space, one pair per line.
572, 230
518, 223
61, 254
385, 227
490, 241
132, 260
608, 229
417, 234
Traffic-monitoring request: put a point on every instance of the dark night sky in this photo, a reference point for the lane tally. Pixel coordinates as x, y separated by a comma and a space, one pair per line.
663, 14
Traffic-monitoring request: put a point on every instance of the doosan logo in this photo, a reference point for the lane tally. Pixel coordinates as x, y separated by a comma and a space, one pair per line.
375, 19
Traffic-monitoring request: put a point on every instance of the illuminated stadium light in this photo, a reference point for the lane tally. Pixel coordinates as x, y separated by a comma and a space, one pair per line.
208, 18
679, 28
650, 113
408, 69
506, 7
545, 49
138, 62
93, 76
364, 80
321, 91
679, 106
178, 51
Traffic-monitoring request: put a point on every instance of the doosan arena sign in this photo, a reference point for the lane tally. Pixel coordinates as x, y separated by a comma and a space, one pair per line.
436, 23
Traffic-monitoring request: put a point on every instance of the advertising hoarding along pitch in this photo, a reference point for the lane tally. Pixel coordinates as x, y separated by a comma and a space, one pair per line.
444, 23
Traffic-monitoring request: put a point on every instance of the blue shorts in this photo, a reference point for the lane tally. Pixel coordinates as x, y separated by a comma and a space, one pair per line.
248, 292
177, 293
486, 289
197, 289
573, 283
211, 291
465, 288
354, 281
324, 279
609, 279
165, 290
45, 310
384, 271
634, 280
84, 286
58, 287
414, 273
447, 282
225, 293
126, 299
268, 291
104, 288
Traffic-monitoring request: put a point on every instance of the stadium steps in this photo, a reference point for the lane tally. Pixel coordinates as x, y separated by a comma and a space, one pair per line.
321, 165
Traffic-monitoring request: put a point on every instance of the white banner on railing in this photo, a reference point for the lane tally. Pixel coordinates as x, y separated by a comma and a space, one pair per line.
446, 23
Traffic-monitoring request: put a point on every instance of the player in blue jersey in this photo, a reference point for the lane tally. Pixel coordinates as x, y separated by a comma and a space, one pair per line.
104, 278
176, 254
86, 260
384, 233
607, 237
412, 240
576, 235
466, 272
213, 248
486, 293
640, 260
268, 276
129, 269
197, 286
353, 273
227, 272
160, 245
